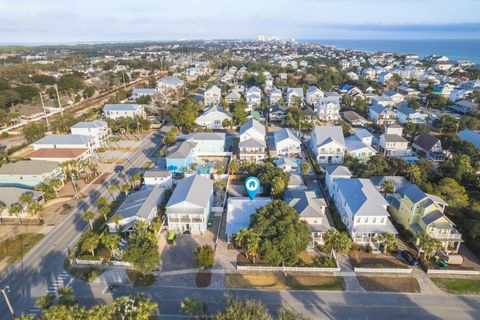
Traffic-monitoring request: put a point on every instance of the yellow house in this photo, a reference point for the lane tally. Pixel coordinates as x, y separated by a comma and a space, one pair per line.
421, 212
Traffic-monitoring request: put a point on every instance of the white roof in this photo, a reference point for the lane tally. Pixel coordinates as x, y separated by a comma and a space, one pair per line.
327, 134
239, 211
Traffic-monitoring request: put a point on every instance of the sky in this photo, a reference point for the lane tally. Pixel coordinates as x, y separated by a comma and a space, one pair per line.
56, 21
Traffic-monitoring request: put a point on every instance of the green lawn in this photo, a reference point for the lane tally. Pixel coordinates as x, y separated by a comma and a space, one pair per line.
15, 248
458, 286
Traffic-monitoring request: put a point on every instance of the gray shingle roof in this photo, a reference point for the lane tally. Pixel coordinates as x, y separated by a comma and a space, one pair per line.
122, 107
413, 192
90, 124
140, 203
362, 198
306, 203
193, 191
426, 141
285, 133
32, 167
206, 136
256, 125
60, 139
252, 143
11, 195
324, 134
181, 150
334, 170
393, 138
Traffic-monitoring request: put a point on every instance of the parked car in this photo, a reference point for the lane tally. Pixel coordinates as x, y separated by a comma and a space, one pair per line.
410, 258
118, 169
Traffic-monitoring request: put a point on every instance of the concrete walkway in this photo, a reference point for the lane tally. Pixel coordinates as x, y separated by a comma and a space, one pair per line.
426, 284
351, 282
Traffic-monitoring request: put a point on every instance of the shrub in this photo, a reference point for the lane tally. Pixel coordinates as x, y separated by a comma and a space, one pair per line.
325, 262
204, 256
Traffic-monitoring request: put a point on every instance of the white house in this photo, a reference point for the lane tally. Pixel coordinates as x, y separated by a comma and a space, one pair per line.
328, 107
333, 172
190, 205
294, 95
364, 135
392, 144
287, 143
288, 165
275, 95
213, 118
396, 97
252, 145
381, 115
313, 94
138, 206
328, 144
357, 149
142, 92
97, 129
169, 82
253, 96
277, 113
212, 96
120, 110
362, 209
160, 178
67, 141
406, 115
239, 211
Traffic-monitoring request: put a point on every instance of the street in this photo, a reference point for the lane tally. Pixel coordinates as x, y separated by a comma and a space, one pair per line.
41, 269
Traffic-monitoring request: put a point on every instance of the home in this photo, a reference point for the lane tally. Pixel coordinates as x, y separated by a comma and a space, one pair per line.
429, 145
470, 136
294, 96
208, 143
97, 129
382, 101
422, 213
156, 177
137, 93
275, 96
288, 165
277, 113
66, 141
232, 97
169, 82
239, 211
29, 173
328, 107
392, 144
355, 93
364, 135
396, 97
138, 206
60, 155
328, 144
212, 96
254, 96
252, 145
396, 181
362, 209
381, 116
286, 143
213, 118
464, 106
357, 149
12, 195
406, 114
313, 94
333, 172
311, 209
180, 156
190, 205
355, 119
120, 110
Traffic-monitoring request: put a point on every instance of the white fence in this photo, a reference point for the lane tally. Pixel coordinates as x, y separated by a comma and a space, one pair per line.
100, 263
454, 272
382, 270
286, 269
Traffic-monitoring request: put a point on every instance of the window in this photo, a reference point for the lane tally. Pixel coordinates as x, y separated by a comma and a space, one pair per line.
366, 220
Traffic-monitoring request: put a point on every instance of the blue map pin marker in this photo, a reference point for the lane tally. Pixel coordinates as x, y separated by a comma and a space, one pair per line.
252, 185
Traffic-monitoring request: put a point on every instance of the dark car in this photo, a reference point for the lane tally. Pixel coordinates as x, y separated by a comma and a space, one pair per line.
118, 169
411, 260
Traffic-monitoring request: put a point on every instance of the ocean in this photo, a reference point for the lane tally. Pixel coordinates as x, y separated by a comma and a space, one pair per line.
454, 49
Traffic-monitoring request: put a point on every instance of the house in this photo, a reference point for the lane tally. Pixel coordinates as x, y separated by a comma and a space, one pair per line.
328, 144
138, 206
97, 129
208, 143
313, 94
275, 96
470, 136
294, 96
29, 173
190, 205
253, 96
169, 82
397, 183
212, 96
160, 178
213, 118
333, 172
137, 93
288, 165
355, 119
381, 116
311, 209
180, 156
392, 144
277, 113
422, 213
66, 141
121, 110
328, 107
406, 114
382, 101
362, 209
232, 97
60, 155
252, 145
12, 195
429, 145
295, 181
364, 135
464, 106
287, 143
239, 211
396, 97
357, 149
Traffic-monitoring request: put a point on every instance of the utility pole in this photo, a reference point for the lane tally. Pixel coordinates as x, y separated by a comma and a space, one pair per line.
44, 111
58, 98
7, 300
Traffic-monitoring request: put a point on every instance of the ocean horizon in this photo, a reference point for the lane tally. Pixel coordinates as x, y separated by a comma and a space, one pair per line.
454, 49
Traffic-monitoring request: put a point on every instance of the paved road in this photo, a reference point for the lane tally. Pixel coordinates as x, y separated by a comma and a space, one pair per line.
316, 304
42, 268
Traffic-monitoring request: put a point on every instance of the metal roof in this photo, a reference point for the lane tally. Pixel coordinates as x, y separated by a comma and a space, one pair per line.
194, 192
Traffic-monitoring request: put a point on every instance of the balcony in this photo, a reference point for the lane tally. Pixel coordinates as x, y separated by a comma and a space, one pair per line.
444, 236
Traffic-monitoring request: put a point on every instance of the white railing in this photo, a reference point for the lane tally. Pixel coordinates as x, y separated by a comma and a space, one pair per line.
456, 272
382, 270
287, 269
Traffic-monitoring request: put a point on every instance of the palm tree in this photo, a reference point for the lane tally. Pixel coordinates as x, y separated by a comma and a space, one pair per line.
389, 241
234, 167
35, 208
249, 240
125, 188
116, 218
428, 245
89, 242
111, 240
414, 173
26, 198
387, 187
16, 209
113, 188
136, 178
104, 212
101, 202
89, 216
56, 185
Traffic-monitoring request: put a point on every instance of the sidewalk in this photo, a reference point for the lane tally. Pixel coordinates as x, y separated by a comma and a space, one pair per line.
351, 282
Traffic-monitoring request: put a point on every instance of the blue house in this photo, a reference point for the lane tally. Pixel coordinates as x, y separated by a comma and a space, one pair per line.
181, 155
406, 114
29, 173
